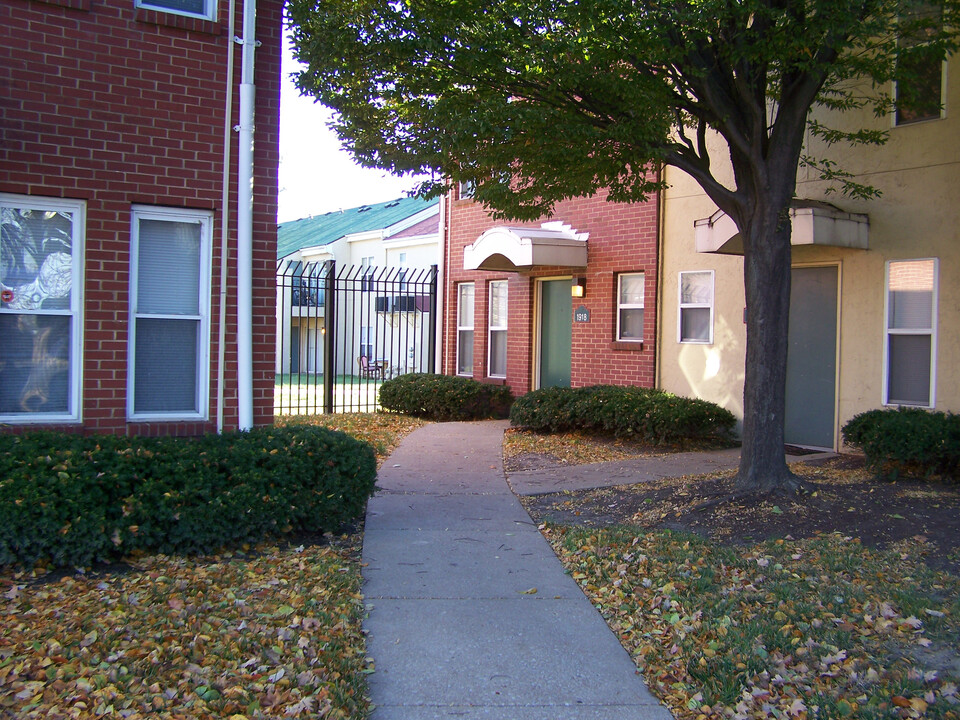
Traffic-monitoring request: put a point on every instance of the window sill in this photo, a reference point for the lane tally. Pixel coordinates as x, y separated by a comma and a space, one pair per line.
627, 345
494, 381
921, 121
165, 19
34, 420
73, 4
171, 418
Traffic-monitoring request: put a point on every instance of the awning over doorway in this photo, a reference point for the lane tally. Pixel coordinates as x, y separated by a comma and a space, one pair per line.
514, 248
814, 223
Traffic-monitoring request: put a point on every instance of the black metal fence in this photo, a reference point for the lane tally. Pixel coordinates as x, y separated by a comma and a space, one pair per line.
342, 331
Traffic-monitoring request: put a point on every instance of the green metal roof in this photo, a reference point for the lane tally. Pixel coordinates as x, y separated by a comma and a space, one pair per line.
325, 229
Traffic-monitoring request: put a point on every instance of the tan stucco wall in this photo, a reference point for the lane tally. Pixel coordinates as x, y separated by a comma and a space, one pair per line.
917, 216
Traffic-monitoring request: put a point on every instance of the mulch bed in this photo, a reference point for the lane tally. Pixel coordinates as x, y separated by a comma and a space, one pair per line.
847, 499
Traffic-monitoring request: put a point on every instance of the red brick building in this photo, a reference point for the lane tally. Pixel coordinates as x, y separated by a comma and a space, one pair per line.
112, 127
569, 300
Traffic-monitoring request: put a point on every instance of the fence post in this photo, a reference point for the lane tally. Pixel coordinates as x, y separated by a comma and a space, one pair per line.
329, 334
432, 342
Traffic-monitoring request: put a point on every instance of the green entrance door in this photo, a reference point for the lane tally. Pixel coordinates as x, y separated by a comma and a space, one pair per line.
556, 320
812, 357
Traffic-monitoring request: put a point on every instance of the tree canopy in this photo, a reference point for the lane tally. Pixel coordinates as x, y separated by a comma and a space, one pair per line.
535, 101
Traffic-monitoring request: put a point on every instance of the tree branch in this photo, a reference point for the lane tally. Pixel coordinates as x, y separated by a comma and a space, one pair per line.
727, 200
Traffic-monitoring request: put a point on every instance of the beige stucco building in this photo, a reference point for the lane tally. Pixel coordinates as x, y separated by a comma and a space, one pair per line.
875, 300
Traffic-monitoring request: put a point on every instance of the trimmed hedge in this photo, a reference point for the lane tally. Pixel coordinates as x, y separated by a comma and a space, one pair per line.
445, 397
908, 441
73, 500
652, 415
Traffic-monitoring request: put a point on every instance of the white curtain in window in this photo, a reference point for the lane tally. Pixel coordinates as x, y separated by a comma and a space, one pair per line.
498, 329
696, 307
910, 324
40, 311
465, 306
465, 329
631, 289
696, 288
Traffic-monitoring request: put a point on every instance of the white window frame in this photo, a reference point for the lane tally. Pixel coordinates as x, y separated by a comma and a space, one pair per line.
466, 189
367, 269
465, 328
205, 220
630, 306
931, 331
681, 306
210, 7
75, 388
367, 334
491, 328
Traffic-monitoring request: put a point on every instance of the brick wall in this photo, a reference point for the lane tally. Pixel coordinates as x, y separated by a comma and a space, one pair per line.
623, 238
117, 106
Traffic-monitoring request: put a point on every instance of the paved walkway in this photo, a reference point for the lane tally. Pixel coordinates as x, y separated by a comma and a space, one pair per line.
470, 613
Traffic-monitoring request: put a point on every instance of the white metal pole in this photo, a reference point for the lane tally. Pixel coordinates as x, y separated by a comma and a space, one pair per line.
245, 221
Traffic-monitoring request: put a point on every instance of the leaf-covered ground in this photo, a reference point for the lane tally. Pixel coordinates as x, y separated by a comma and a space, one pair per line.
843, 603
274, 635
528, 450
268, 632
383, 431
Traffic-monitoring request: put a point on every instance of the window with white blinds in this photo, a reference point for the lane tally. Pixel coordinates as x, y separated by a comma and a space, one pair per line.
910, 347
169, 314
203, 9
497, 362
465, 328
631, 288
695, 323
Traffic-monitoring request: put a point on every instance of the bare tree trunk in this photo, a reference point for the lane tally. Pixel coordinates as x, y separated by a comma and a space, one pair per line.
766, 242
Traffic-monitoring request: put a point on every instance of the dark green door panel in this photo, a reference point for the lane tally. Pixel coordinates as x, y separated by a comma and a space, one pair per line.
812, 357
556, 321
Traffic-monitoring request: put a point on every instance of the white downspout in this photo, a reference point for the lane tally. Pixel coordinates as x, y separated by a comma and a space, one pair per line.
245, 221
441, 282
225, 218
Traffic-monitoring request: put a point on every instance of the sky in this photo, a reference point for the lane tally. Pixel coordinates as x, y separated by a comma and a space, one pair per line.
316, 174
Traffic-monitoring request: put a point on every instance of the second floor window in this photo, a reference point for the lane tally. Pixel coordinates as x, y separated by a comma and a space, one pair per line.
919, 91
203, 9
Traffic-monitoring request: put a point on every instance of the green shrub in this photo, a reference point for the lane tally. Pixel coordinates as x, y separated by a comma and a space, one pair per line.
908, 441
652, 415
73, 500
444, 397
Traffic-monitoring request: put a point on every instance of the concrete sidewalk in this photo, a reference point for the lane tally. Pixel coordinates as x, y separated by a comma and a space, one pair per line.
470, 613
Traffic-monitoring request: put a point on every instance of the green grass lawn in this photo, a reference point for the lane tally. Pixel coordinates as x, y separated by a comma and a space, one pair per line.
303, 394
819, 628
